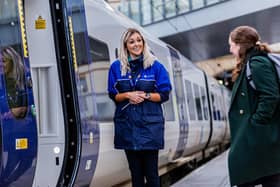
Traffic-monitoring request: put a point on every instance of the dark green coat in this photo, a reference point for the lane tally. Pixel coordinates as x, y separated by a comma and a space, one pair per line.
254, 117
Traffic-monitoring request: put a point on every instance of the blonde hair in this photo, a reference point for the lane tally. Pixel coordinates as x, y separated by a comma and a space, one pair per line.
17, 72
148, 58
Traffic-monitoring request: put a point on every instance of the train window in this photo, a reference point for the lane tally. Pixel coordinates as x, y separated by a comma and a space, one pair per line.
197, 102
204, 103
168, 109
214, 107
223, 110
190, 100
178, 84
99, 71
216, 103
12, 58
220, 117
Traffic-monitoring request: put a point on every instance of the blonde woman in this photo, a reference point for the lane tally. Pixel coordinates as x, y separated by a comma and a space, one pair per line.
15, 81
138, 84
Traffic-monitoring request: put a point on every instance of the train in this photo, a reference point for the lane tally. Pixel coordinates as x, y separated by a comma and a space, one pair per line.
56, 117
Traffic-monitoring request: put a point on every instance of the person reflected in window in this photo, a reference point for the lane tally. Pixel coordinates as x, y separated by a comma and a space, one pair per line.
15, 81
138, 84
254, 113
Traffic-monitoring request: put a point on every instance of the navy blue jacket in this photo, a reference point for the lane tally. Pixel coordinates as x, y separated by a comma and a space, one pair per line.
141, 126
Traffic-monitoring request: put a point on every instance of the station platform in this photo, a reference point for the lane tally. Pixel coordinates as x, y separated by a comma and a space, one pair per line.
212, 174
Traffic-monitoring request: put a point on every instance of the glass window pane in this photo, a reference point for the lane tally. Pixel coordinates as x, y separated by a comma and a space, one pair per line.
197, 4
209, 2
204, 103
98, 75
146, 11
158, 10
197, 102
190, 100
214, 105
168, 109
124, 7
170, 8
135, 14
183, 6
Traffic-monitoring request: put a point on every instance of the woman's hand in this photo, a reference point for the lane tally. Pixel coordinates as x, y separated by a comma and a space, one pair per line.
136, 97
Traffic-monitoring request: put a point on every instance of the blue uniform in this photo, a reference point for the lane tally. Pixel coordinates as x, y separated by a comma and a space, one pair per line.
141, 126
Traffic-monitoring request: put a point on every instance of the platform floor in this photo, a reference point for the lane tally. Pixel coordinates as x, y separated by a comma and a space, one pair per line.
212, 174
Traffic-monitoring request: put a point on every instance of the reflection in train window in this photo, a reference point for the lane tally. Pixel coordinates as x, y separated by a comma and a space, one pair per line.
190, 100
14, 81
99, 51
11, 59
99, 71
197, 102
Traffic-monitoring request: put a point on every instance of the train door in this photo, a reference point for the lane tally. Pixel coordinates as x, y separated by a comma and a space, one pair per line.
81, 127
47, 95
181, 103
83, 66
18, 122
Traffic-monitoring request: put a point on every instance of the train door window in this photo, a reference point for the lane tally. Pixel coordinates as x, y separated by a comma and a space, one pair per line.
83, 99
99, 71
190, 100
204, 103
168, 109
179, 86
197, 102
12, 55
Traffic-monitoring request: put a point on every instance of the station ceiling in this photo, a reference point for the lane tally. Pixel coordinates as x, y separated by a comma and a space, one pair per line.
211, 41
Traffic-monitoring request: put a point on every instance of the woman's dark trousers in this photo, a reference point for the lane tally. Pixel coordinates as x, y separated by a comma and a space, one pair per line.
143, 165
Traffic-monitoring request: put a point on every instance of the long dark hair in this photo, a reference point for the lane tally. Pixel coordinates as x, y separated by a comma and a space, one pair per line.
247, 37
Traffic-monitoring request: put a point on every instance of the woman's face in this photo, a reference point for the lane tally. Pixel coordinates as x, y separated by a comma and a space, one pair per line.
234, 48
8, 65
135, 45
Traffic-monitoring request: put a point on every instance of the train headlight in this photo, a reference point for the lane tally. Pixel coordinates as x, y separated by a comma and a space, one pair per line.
56, 150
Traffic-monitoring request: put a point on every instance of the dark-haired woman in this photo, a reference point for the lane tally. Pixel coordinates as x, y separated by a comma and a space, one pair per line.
254, 113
